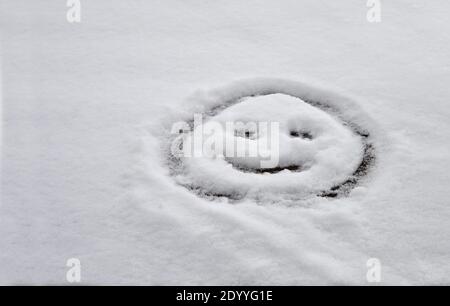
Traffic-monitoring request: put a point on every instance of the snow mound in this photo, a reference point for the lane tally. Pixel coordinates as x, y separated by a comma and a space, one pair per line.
269, 146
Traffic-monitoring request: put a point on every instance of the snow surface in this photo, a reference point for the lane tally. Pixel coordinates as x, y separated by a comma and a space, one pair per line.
85, 108
329, 158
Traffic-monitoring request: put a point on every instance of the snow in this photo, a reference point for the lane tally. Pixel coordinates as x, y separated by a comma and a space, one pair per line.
329, 158
87, 111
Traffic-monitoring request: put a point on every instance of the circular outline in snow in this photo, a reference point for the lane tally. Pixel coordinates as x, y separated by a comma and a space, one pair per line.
341, 107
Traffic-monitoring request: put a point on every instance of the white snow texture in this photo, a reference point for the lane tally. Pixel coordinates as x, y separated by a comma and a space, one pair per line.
87, 111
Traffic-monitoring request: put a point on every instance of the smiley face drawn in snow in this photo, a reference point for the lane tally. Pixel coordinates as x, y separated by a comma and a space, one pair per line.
308, 152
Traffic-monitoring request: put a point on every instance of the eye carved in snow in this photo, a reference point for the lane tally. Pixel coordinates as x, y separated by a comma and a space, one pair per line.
245, 134
320, 151
304, 135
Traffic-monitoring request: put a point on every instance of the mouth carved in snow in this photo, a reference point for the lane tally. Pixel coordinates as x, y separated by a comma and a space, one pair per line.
312, 152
